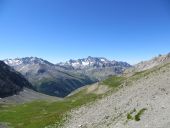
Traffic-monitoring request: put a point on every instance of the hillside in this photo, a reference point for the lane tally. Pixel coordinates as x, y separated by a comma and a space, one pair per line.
11, 82
48, 78
137, 101
63, 78
142, 102
42, 113
144, 65
26, 96
131, 101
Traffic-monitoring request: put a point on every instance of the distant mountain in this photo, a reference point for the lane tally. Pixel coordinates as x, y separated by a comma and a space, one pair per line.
145, 65
11, 82
96, 67
48, 78
63, 78
26, 60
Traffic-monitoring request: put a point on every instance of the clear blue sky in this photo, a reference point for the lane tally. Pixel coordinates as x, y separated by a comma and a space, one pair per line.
58, 30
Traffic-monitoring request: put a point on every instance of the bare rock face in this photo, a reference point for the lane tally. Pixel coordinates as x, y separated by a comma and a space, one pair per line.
11, 82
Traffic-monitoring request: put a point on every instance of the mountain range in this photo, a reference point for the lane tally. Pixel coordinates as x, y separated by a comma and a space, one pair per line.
48, 78
96, 67
62, 78
137, 97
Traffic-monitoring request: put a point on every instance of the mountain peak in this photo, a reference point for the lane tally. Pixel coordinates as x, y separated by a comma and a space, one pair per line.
93, 62
26, 60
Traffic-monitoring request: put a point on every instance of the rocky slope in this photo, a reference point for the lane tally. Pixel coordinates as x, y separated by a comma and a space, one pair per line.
141, 102
96, 67
11, 82
48, 78
132, 101
144, 65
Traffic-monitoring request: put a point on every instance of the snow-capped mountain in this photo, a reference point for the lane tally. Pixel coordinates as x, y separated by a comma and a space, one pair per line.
26, 60
93, 62
47, 77
62, 78
96, 67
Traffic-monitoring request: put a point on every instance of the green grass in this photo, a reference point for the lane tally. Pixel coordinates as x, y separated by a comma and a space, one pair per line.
129, 116
139, 114
134, 115
114, 81
145, 73
39, 114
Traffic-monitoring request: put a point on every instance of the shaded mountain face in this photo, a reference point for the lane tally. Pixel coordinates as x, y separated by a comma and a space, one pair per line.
145, 65
96, 67
48, 78
11, 82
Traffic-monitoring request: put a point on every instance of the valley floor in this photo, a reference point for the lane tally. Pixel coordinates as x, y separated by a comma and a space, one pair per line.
138, 101
145, 103
27, 95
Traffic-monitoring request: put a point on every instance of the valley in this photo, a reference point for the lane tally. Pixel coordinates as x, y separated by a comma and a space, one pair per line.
84, 63
132, 99
63, 78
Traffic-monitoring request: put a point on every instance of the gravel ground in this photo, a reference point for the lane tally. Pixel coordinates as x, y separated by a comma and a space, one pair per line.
3, 125
152, 93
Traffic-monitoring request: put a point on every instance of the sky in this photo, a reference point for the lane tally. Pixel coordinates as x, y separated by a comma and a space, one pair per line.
59, 30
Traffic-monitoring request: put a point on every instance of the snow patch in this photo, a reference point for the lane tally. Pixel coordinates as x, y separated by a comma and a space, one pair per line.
103, 60
85, 63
